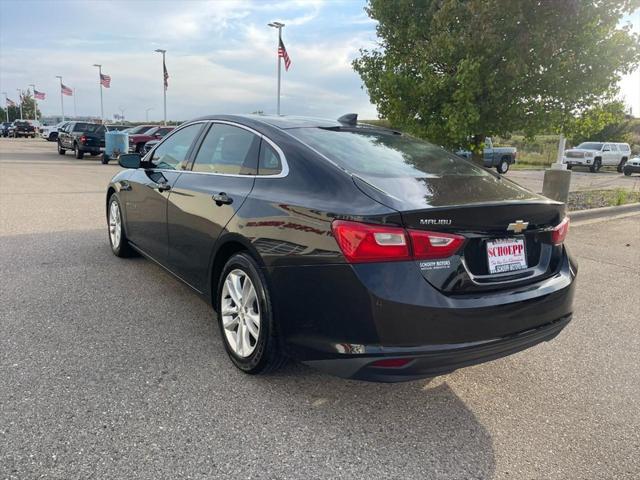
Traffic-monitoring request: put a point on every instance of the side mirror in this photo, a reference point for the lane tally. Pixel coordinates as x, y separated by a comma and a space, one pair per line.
129, 160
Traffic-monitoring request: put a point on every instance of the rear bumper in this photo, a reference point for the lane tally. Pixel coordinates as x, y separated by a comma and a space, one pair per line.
436, 360
342, 318
91, 148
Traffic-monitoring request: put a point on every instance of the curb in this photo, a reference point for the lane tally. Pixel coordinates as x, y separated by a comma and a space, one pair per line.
604, 212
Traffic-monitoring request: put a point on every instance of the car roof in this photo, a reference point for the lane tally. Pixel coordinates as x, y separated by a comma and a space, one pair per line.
282, 122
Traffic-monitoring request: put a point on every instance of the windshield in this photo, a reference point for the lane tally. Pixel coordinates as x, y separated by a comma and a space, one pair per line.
590, 146
140, 129
378, 153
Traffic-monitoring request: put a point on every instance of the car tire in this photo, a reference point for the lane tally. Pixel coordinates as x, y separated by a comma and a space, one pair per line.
597, 163
503, 166
569, 167
240, 323
79, 154
61, 151
627, 173
621, 165
115, 228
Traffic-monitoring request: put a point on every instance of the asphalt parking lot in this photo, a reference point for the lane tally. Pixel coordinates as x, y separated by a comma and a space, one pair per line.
110, 368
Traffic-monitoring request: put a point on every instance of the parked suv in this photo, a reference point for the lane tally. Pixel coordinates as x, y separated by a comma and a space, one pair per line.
50, 132
498, 157
598, 154
81, 137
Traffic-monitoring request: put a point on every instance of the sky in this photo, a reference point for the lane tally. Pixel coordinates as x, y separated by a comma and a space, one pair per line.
221, 56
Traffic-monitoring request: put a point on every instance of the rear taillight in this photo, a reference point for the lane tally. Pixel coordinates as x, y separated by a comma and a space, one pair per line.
83, 139
429, 245
559, 233
361, 242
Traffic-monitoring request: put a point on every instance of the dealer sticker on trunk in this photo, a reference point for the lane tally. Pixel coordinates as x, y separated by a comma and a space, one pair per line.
507, 255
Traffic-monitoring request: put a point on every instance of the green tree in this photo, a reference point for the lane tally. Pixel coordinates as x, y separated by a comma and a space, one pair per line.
454, 70
603, 122
28, 106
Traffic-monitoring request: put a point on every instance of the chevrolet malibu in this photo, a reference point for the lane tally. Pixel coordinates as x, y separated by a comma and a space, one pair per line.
358, 250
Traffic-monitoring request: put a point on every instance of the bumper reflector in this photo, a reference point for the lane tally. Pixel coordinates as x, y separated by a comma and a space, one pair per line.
391, 362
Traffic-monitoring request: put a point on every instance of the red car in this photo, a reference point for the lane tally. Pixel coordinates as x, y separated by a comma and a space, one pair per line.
137, 140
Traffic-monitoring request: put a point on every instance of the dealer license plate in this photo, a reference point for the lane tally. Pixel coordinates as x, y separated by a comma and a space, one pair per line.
506, 255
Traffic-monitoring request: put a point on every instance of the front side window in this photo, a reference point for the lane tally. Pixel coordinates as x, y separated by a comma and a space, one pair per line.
228, 150
172, 153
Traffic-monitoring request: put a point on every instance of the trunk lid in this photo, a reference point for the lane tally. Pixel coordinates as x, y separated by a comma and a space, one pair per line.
487, 211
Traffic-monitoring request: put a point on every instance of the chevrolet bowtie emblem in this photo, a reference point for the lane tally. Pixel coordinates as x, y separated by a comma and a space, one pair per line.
518, 226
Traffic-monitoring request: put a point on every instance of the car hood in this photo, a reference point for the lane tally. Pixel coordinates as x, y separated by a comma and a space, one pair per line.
141, 137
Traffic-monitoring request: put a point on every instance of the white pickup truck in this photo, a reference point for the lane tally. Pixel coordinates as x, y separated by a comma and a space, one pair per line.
597, 154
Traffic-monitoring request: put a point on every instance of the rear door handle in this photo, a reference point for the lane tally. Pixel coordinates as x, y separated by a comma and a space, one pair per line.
222, 199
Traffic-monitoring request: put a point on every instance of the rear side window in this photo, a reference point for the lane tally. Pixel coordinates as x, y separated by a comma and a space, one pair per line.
376, 153
172, 153
269, 162
228, 150
624, 147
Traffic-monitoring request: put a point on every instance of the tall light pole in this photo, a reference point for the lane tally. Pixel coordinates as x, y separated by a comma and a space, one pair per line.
279, 26
164, 81
61, 100
146, 113
100, 87
20, 98
6, 107
35, 103
75, 112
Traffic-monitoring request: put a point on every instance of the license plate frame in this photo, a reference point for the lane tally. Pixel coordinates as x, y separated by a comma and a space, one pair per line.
511, 258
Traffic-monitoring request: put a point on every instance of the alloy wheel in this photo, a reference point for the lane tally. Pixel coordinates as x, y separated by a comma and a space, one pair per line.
240, 311
115, 224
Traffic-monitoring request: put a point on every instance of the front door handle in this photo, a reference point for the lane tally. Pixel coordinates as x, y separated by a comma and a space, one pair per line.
222, 199
163, 186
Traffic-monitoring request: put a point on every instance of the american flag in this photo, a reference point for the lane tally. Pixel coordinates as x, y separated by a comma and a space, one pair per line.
39, 95
166, 74
105, 80
66, 90
282, 52
10, 103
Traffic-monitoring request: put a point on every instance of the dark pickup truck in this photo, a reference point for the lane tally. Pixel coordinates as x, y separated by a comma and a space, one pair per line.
81, 137
22, 128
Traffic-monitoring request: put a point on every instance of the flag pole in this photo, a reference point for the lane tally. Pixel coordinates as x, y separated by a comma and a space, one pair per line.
61, 99
279, 65
20, 98
100, 87
164, 86
164, 81
279, 26
75, 113
35, 102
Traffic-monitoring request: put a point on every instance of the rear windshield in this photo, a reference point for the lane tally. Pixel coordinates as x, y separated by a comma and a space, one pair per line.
590, 146
375, 153
88, 127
